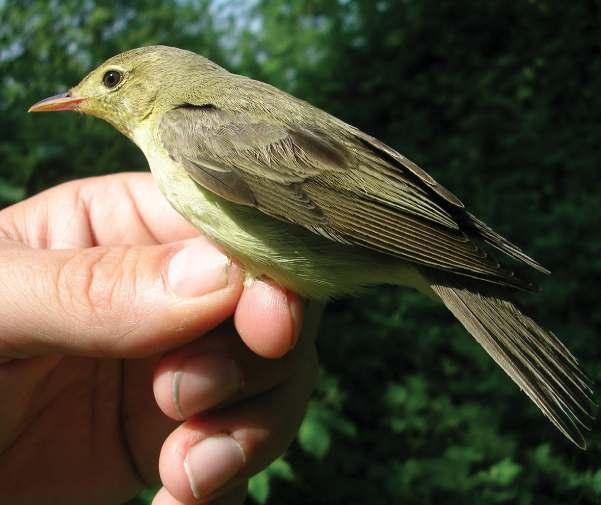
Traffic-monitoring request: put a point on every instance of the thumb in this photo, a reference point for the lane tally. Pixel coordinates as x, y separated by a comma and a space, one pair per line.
125, 301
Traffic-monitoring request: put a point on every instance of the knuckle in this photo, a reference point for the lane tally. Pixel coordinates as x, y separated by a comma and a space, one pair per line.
105, 283
99, 285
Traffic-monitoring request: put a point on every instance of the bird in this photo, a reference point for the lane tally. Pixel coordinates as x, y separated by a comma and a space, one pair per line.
299, 196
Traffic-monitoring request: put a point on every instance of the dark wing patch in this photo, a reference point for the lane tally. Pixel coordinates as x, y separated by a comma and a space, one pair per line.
374, 144
374, 178
346, 190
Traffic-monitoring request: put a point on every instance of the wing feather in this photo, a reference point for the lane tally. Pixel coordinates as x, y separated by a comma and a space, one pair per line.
354, 189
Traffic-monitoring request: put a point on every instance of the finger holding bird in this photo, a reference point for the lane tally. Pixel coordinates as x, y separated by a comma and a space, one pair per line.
325, 210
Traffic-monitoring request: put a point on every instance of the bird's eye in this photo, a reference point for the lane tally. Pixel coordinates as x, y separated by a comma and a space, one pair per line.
112, 78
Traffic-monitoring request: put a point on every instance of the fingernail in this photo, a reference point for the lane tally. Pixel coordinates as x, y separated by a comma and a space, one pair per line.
197, 269
204, 381
211, 463
296, 314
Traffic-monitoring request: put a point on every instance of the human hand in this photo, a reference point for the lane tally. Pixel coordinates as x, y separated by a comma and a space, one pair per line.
105, 291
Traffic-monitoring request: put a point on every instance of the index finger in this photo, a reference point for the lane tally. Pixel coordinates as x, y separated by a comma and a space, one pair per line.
118, 209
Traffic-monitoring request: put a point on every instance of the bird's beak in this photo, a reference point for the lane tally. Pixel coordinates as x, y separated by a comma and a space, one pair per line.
64, 101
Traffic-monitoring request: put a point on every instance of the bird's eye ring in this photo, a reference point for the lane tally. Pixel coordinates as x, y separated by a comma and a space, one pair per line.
111, 78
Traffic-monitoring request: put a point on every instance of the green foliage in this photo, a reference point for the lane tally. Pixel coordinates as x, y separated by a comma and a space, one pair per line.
259, 486
314, 435
499, 100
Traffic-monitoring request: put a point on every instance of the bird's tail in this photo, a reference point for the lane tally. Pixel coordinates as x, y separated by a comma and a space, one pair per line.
532, 356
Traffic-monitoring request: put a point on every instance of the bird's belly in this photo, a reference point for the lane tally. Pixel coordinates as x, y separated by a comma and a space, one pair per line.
296, 258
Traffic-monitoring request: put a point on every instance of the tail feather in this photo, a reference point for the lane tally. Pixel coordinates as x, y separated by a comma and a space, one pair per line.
532, 356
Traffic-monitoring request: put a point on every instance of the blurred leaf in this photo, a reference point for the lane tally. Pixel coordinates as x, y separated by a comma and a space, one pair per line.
502, 473
314, 435
258, 487
281, 469
10, 192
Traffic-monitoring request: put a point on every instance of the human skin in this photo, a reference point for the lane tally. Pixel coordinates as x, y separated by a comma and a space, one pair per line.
128, 343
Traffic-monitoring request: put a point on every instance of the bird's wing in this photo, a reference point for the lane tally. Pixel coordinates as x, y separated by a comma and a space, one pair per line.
351, 188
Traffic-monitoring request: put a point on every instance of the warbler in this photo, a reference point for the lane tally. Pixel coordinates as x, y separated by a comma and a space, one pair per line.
299, 196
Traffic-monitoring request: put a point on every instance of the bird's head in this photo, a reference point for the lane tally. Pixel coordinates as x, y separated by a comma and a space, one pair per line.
134, 85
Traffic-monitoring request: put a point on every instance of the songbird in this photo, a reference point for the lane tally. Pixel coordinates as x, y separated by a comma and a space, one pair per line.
297, 195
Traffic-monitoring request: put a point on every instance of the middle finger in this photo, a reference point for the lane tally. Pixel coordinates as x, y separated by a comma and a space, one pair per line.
219, 369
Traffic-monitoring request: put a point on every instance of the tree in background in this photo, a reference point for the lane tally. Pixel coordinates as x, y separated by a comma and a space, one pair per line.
498, 100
